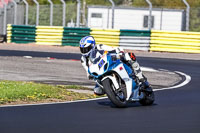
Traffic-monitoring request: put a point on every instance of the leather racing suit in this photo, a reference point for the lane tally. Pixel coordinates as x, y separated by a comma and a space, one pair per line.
99, 50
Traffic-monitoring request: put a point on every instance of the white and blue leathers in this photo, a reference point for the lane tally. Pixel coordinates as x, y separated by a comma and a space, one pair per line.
97, 52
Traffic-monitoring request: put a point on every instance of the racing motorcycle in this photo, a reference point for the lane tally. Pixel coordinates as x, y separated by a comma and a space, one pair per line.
118, 80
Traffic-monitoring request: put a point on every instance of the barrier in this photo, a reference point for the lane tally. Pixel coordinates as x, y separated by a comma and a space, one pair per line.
49, 35
170, 41
135, 39
106, 36
72, 36
46, 35
21, 33
58, 35
154, 40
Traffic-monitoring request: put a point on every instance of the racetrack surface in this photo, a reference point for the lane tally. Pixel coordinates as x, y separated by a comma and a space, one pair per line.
176, 110
63, 68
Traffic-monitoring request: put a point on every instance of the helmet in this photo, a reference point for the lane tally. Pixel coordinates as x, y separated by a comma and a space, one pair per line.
87, 44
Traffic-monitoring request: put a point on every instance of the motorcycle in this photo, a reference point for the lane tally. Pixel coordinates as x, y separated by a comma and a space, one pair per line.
118, 80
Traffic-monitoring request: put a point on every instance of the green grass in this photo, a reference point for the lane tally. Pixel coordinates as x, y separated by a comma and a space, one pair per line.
74, 87
26, 92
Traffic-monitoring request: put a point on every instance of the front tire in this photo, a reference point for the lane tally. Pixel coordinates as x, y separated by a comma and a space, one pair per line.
115, 99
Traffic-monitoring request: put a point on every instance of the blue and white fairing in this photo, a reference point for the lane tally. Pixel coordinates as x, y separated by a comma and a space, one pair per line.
107, 62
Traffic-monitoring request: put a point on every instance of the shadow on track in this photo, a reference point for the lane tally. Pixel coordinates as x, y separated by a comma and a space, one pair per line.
110, 104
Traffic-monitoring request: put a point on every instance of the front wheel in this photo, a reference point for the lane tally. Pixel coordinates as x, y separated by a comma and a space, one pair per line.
117, 97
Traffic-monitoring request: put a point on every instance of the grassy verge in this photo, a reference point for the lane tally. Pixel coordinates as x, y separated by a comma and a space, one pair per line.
15, 92
74, 87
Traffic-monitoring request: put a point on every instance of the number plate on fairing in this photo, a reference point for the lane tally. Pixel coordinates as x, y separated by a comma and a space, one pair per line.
101, 64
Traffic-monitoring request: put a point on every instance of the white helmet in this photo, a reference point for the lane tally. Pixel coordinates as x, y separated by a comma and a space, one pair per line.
87, 44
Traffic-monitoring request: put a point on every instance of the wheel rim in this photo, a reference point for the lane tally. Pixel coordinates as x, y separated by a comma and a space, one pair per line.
119, 94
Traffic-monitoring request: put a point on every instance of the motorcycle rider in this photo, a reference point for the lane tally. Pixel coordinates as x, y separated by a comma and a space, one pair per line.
90, 51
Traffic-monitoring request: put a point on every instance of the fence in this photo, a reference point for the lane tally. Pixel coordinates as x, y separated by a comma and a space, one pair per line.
67, 13
23, 12
57, 16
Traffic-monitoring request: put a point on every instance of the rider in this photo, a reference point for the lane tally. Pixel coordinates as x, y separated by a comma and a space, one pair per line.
88, 48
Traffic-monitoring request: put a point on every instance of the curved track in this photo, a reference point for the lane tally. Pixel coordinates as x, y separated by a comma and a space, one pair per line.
176, 110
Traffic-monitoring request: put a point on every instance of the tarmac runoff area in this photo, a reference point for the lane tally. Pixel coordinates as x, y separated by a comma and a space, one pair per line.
68, 72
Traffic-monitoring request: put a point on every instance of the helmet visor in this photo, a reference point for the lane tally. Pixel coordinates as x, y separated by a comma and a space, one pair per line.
86, 49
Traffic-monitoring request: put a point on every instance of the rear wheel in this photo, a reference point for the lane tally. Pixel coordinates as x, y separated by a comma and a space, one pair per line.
148, 98
117, 96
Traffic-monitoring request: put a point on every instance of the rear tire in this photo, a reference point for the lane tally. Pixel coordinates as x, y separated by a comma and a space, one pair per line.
148, 98
115, 99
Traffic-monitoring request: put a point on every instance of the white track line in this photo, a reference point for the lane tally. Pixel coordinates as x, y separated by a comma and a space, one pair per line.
148, 69
187, 80
19, 105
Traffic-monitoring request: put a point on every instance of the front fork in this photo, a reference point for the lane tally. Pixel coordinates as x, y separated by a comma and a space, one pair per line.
98, 82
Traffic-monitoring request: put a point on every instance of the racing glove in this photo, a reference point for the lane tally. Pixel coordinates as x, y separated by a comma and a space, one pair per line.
90, 77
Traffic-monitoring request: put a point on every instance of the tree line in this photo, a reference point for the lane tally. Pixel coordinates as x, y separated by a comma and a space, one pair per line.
135, 3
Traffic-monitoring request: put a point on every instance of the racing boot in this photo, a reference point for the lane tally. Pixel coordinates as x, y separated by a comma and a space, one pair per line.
98, 90
145, 86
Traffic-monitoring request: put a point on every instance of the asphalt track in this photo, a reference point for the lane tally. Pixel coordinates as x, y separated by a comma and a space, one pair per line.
176, 110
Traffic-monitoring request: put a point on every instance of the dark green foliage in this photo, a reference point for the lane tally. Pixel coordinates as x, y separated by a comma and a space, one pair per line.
166, 3
194, 19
